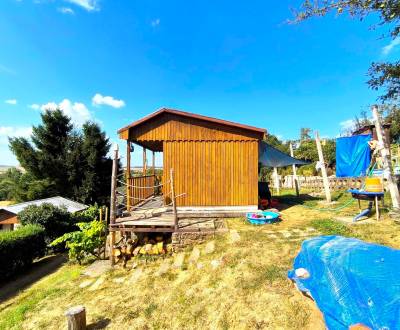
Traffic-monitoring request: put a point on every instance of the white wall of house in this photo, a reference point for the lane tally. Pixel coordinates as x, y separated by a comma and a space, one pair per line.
7, 227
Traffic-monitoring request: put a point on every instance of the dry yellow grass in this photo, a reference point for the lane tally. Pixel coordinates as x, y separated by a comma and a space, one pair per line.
248, 289
6, 203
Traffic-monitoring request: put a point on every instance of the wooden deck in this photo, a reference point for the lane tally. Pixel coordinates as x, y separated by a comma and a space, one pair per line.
153, 217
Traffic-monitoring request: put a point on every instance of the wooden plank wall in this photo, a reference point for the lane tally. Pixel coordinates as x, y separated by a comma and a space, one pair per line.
169, 127
212, 173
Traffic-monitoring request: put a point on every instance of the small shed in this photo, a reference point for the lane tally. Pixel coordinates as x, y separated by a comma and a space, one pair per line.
9, 214
214, 161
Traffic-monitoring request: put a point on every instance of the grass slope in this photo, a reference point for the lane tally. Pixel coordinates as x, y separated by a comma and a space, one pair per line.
242, 284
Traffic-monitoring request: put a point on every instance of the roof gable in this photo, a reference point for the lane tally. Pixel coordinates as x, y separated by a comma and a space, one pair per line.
169, 124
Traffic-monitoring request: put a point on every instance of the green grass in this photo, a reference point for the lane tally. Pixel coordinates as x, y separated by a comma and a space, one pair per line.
248, 290
13, 316
331, 227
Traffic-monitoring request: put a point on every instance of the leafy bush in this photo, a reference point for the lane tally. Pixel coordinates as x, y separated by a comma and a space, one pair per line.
55, 220
19, 248
90, 214
88, 241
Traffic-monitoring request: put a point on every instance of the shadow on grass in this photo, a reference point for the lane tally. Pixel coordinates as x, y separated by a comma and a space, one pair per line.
38, 270
288, 200
99, 324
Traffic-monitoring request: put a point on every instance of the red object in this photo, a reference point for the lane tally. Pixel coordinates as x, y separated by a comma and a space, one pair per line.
274, 203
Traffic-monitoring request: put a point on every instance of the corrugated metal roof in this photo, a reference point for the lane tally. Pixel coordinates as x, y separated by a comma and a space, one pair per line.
58, 201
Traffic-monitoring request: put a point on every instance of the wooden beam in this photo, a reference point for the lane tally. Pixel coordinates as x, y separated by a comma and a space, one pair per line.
387, 163
325, 179
113, 206
144, 162
154, 163
128, 175
276, 179
295, 181
173, 198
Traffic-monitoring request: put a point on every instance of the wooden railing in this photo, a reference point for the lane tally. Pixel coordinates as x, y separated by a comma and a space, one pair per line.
140, 188
315, 182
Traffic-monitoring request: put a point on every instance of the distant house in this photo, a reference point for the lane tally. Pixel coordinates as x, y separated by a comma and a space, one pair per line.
9, 214
370, 129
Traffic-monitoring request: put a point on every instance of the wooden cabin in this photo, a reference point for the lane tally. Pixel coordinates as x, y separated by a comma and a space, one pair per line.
214, 162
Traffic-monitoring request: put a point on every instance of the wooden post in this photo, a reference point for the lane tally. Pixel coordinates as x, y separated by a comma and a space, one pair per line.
173, 199
106, 223
296, 182
76, 317
113, 209
128, 175
325, 179
144, 162
154, 163
387, 163
276, 180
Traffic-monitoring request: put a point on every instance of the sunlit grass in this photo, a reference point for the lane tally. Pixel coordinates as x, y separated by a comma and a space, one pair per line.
248, 289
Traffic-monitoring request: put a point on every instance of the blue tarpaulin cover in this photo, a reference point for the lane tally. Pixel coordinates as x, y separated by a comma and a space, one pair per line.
271, 157
353, 155
351, 281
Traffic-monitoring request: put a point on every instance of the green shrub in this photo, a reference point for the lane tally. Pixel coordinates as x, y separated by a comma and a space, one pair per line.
90, 214
19, 248
55, 220
88, 241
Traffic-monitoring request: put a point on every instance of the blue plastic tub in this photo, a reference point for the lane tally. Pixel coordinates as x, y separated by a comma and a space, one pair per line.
262, 217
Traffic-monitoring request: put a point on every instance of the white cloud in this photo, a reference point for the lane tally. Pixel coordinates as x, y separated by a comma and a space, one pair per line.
11, 101
11, 131
66, 10
89, 5
78, 112
7, 70
348, 125
155, 22
99, 99
34, 106
388, 48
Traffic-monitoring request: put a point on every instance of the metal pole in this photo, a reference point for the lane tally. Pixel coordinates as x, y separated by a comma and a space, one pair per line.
325, 179
113, 210
387, 163
296, 182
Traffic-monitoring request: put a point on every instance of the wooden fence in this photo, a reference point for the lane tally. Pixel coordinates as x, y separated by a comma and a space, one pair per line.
140, 188
315, 182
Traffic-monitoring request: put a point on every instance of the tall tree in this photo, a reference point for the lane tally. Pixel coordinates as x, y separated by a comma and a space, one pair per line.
384, 75
97, 174
61, 160
46, 157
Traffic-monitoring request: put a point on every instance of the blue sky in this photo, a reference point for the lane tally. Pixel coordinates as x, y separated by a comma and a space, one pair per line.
115, 61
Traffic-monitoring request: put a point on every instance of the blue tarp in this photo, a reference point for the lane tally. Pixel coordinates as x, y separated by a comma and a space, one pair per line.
351, 281
271, 157
353, 155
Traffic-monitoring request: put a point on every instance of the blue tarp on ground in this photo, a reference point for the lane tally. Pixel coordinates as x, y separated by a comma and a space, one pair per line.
353, 155
351, 281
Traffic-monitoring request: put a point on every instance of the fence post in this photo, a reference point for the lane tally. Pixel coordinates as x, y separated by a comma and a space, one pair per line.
173, 199
113, 211
276, 180
296, 182
323, 169
387, 162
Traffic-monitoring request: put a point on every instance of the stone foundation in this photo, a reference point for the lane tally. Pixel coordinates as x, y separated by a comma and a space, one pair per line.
183, 240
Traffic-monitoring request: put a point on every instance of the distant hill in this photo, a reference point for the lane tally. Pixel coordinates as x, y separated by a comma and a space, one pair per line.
4, 168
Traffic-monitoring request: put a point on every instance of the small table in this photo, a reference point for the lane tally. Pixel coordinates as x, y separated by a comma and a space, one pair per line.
368, 196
